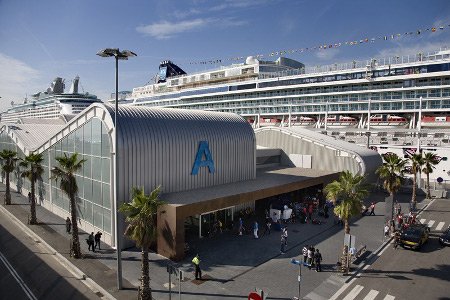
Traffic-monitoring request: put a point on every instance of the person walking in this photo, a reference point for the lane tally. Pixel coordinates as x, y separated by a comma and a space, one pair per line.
386, 230
198, 271
318, 260
68, 225
285, 233
97, 238
241, 226
255, 229
267, 227
305, 254
310, 212
310, 257
90, 241
372, 209
282, 245
396, 239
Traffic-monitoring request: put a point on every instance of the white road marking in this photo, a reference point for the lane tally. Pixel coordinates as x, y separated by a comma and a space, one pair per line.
16, 276
371, 295
389, 297
431, 223
353, 293
342, 289
440, 225
422, 221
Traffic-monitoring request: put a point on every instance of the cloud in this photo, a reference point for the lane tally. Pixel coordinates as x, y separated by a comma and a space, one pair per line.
166, 29
17, 79
228, 4
400, 49
327, 54
183, 14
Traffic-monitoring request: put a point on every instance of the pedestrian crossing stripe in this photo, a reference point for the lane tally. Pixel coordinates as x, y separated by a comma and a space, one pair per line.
371, 295
353, 293
432, 222
440, 226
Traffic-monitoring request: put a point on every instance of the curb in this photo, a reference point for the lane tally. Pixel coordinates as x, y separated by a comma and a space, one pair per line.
91, 284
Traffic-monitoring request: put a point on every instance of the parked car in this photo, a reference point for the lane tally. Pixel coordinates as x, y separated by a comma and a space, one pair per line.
414, 236
444, 239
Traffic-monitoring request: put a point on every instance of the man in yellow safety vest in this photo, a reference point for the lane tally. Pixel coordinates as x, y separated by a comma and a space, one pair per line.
198, 272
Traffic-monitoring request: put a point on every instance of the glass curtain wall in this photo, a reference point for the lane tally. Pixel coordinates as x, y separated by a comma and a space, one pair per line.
91, 141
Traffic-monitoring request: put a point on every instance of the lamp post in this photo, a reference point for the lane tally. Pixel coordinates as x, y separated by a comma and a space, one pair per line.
122, 55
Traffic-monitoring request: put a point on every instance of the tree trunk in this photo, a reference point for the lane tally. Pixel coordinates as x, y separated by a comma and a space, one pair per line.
346, 226
413, 200
8, 190
145, 290
33, 219
75, 239
428, 186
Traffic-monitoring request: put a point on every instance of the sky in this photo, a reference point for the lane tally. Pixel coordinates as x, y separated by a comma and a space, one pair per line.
41, 40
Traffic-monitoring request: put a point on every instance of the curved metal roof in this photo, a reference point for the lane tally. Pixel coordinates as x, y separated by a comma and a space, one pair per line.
158, 146
369, 160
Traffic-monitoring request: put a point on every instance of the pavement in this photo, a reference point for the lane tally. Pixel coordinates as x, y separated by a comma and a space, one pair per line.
232, 265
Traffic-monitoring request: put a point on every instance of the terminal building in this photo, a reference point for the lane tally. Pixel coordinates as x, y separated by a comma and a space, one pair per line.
210, 166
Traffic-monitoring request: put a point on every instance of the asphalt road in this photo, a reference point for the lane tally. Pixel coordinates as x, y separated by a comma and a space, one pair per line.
29, 271
408, 274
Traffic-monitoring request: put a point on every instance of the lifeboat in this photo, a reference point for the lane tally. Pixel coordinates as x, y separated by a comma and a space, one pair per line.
436, 121
387, 121
338, 121
302, 121
264, 122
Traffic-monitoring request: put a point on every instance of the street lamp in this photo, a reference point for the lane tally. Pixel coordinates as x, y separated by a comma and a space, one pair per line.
122, 55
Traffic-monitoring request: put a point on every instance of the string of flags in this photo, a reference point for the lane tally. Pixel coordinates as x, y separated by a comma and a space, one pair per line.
327, 45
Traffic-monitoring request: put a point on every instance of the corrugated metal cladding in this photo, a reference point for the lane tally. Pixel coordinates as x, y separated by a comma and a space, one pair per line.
327, 153
158, 146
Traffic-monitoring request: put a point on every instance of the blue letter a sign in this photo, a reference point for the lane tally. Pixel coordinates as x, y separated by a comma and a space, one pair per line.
203, 151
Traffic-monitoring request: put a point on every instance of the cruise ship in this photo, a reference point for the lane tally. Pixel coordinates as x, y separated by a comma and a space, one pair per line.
51, 104
394, 104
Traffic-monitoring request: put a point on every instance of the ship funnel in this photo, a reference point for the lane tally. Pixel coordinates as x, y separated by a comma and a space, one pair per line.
74, 86
57, 86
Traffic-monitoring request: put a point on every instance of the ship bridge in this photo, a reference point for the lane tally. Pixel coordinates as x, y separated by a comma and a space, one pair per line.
311, 150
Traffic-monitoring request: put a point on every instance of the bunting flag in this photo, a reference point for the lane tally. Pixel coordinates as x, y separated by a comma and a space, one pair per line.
325, 46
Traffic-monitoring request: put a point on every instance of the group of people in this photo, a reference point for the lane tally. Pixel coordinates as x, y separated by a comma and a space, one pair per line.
93, 241
312, 258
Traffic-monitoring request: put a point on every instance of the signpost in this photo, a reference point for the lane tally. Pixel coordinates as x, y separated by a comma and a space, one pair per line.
173, 269
350, 242
258, 294
299, 263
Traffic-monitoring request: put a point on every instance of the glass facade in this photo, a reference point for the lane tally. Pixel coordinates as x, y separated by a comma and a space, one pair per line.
91, 141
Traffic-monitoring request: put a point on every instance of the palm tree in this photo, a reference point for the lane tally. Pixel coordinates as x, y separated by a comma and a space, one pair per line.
429, 161
416, 162
141, 216
33, 171
9, 159
68, 166
392, 171
347, 194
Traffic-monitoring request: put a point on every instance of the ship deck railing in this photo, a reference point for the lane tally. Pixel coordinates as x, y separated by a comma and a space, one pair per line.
372, 64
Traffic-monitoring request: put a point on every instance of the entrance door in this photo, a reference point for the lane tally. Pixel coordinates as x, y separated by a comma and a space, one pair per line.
216, 221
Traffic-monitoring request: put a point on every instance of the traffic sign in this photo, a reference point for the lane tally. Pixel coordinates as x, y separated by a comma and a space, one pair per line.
299, 262
254, 296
